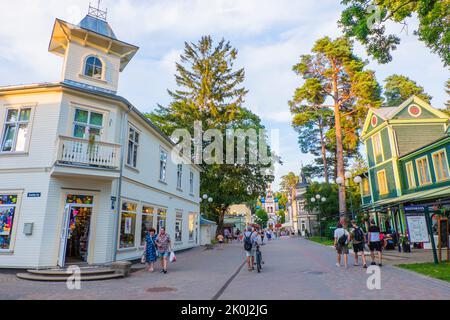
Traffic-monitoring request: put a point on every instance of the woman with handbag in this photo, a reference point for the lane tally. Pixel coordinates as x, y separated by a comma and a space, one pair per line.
164, 245
150, 255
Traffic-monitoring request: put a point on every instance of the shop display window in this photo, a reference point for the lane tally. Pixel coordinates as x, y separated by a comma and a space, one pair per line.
148, 221
191, 226
128, 225
179, 228
79, 199
7, 212
161, 219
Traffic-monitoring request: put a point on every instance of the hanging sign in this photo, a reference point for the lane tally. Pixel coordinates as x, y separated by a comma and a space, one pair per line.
128, 222
417, 229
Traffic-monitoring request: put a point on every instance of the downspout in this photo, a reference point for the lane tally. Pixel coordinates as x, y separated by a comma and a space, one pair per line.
119, 188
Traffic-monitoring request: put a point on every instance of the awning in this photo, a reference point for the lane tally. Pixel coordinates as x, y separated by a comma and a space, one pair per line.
411, 197
204, 221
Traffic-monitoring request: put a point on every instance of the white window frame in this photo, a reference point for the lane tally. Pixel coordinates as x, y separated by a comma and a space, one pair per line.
445, 158
15, 225
421, 183
163, 165
84, 65
135, 145
179, 176
17, 123
87, 125
410, 176
191, 182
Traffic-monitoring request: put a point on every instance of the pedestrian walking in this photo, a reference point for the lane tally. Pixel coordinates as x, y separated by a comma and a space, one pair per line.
220, 239
375, 243
357, 238
150, 249
341, 240
250, 237
164, 245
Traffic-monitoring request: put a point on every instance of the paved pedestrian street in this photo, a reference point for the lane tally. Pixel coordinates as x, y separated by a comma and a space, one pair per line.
294, 269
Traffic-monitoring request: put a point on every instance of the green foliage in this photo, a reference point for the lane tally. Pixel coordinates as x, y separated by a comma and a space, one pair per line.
288, 181
210, 90
433, 29
261, 218
281, 216
398, 88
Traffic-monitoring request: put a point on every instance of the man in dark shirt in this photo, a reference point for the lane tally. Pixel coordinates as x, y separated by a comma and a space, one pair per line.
375, 242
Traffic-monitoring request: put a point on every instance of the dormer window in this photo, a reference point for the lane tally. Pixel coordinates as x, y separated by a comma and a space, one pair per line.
93, 68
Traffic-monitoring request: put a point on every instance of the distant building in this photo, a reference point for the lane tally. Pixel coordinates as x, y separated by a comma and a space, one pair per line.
271, 206
305, 221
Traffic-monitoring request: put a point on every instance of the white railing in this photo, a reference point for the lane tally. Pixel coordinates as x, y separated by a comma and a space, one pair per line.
77, 151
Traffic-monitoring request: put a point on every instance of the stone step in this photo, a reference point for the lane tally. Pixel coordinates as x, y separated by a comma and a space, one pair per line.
64, 277
63, 272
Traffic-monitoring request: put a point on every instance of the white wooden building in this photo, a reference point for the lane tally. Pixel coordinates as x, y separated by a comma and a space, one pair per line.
82, 171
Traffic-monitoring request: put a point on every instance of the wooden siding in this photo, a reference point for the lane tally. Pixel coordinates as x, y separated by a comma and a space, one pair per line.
413, 136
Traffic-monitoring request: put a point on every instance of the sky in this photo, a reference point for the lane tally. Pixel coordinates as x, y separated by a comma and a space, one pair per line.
270, 36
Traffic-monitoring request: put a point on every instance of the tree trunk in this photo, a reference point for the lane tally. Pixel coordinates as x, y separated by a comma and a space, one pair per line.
220, 222
324, 154
339, 148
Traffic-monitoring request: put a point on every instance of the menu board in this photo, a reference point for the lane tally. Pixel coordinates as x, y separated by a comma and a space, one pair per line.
417, 229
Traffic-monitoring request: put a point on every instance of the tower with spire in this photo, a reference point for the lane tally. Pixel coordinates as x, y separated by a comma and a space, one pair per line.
93, 55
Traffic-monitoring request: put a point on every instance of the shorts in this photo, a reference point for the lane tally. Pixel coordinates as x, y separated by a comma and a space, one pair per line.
342, 249
250, 253
358, 247
375, 246
221, 242
163, 254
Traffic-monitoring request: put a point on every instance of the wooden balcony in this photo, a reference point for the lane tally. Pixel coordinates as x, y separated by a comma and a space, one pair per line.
81, 153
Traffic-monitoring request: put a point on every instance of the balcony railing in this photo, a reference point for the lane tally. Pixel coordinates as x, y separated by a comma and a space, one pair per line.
75, 151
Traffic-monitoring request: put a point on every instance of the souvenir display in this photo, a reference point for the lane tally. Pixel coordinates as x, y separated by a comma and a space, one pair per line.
79, 199
7, 211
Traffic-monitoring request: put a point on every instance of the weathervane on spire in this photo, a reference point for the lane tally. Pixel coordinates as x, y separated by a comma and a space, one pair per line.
96, 12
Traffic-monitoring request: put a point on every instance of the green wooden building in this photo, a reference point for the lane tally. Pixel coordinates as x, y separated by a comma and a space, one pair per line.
407, 153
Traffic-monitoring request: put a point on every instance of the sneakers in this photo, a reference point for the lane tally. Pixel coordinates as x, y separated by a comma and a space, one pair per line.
338, 265
373, 263
365, 266
380, 264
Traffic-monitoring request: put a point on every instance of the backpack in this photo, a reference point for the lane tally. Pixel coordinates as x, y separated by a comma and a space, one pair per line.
343, 239
359, 235
248, 244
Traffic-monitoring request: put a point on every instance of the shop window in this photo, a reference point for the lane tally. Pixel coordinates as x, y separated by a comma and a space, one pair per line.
179, 175
8, 203
161, 219
382, 182
191, 226
93, 68
15, 130
162, 165
179, 227
79, 199
133, 145
410, 175
440, 166
87, 124
128, 225
423, 171
148, 221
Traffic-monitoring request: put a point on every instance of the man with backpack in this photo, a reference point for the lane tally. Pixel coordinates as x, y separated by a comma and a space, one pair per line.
357, 236
341, 240
250, 238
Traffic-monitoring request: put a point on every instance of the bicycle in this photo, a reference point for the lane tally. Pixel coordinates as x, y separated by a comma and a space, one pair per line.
258, 259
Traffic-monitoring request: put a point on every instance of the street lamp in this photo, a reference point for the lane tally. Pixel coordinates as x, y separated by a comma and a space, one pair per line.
206, 198
344, 183
319, 198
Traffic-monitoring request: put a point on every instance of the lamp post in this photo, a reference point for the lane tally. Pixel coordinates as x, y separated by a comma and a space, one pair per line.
205, 198
345, 184
319, 199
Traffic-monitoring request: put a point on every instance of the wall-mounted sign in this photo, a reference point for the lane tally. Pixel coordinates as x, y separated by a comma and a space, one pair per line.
113, 203
34, 195
417, 228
